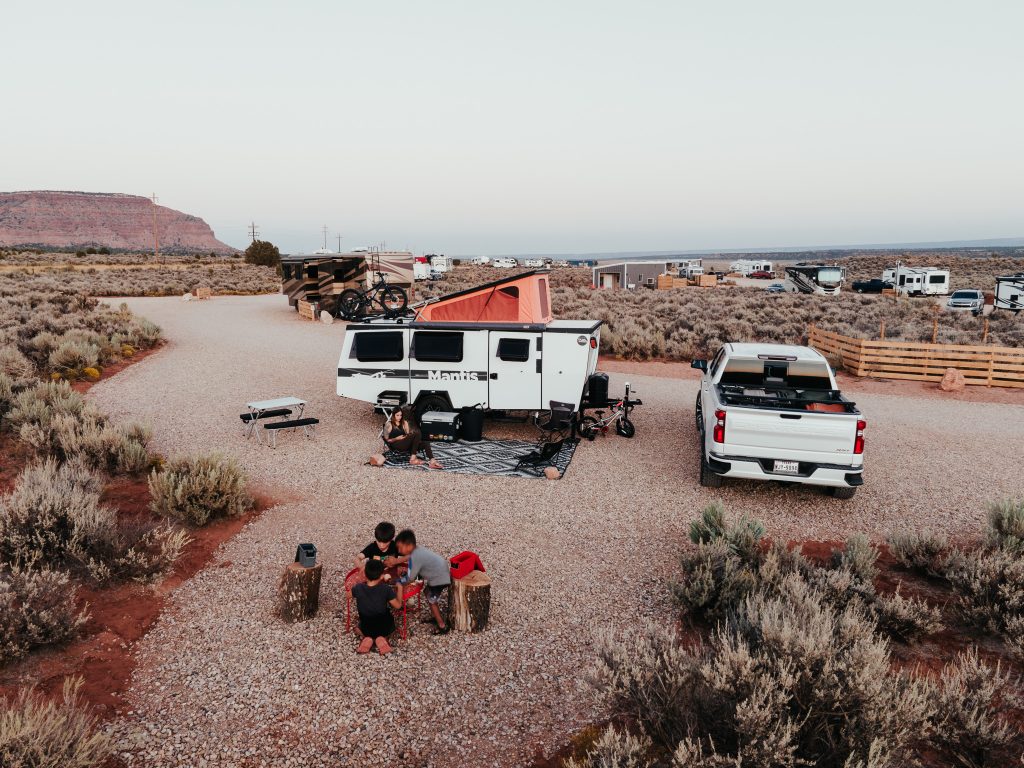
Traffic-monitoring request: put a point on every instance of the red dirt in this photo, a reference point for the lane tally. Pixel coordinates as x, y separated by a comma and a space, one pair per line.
84, 385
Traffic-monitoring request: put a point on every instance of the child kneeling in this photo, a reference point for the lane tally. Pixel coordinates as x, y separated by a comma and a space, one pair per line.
374, 601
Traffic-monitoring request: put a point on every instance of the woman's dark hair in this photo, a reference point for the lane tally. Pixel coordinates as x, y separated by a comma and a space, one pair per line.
374, 569
384, 532
406, 537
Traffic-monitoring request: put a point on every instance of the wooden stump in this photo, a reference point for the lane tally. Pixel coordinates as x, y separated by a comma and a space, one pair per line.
469, 602
299, 592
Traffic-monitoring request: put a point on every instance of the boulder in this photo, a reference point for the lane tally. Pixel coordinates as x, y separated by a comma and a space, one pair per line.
952, 381
187, 297
326, 318
377, 460
552, 473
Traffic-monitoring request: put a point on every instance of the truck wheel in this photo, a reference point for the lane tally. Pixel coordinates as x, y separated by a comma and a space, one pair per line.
625, 427
430, 403
709, 479
844, 493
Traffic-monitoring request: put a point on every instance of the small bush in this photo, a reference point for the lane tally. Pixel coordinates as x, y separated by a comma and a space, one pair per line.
859, 556
35, 733
743, 537
1006, 525
199, 489
15, 365
925, 550
907, 619
37, 608
70, 358
615, 749
990, 589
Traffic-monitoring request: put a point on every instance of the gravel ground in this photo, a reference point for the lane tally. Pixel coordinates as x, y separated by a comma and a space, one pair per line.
222, 682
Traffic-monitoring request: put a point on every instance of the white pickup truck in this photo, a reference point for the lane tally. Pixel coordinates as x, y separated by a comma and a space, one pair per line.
774, 412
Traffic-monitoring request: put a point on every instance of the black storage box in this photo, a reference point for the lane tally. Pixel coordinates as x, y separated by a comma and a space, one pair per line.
440, 426
472, 424
597, 389
305, 555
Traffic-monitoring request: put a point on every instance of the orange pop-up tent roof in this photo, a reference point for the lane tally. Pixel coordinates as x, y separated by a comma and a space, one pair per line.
520, 299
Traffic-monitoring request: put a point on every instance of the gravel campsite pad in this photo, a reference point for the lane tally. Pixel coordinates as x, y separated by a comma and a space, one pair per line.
222, 682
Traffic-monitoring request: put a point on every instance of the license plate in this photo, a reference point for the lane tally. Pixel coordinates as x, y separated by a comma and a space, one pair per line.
787, 467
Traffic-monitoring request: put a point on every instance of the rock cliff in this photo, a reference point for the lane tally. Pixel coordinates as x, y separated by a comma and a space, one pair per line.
121, 222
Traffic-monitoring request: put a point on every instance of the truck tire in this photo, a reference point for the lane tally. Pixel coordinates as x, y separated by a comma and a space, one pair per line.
844, 493
430, 403
709, 479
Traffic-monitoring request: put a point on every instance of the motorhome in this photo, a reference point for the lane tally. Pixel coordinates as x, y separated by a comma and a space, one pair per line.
747, 266
481, 261
439, 263
1010, 292
824, 279
534, 263
918, 281
321, 277
494, 346
505, 263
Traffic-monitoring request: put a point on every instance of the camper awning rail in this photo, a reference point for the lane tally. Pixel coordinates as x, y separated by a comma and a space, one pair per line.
583, 326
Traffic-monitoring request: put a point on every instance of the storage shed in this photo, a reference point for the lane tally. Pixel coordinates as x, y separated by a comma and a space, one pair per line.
632, 274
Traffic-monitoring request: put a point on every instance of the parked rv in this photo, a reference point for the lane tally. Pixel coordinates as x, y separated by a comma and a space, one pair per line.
420, 268
824, 279
495, 345
967, 300
775, 412
1010, 293
481, 261
918, 281
691, 269
439, 263
321, 278
505, 263
534, 263
746, 266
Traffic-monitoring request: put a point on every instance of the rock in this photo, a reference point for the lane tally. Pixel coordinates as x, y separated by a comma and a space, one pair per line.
552, 473
326, 318
187, 297
377, 460
952, 381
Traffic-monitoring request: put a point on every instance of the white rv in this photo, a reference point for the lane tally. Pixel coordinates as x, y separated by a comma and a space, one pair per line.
918, 281
691, 268
1010, 292
439, 263
746, 266
505, 263
420, 268
824, 279
514, 357
481, 261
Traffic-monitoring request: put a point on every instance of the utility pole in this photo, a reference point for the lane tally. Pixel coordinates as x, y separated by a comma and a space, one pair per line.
156, 239
254, 232
339, 242
325, 236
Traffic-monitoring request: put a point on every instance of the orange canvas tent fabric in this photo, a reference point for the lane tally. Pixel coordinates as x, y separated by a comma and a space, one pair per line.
520, 299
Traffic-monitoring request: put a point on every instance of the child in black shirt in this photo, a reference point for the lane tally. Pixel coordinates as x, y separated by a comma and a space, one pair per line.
374, 601
382, 548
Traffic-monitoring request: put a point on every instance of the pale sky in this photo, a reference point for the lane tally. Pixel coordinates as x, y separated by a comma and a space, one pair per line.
527, 126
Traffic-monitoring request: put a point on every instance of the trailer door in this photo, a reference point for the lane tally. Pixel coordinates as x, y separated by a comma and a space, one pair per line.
515, 364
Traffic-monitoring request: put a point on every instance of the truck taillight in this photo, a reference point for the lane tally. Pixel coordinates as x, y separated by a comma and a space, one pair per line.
719, 433
858, 441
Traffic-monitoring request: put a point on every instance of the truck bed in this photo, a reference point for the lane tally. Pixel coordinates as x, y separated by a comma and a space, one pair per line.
785, 398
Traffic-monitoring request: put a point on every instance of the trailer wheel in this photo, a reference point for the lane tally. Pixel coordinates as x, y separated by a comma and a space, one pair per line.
625, 427
709, 479
430, 403
844, 493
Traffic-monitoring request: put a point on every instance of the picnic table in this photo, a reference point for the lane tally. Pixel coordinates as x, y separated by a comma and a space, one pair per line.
265, 409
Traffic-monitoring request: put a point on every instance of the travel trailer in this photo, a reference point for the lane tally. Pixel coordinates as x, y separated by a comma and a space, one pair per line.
439, 263
321, 277
746, 266
481, 261
691, 269
918, 281
420, 268
494, 346
1010, 292
824, 279
505, 263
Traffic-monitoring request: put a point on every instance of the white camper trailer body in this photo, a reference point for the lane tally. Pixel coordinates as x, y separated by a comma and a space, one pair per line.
508, 366
746, 266
439, 263
825, 279
420, 268
1010, 292
691, 269
918, 281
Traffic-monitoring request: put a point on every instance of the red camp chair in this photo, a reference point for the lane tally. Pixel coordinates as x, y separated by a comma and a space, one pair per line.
413, 590
356, 576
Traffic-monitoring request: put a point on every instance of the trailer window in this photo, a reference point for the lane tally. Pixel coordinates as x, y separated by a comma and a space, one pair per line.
286, 271
437, 346
936, 279
514, 350
378, 346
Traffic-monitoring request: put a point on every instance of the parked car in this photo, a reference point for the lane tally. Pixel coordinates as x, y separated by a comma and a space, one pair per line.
874, 285
776, 288
967, 300
774, 412
761, 275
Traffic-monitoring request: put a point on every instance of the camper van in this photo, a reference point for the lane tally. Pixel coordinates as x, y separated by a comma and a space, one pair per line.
918, 281
1010, 292
495, 345
824, 279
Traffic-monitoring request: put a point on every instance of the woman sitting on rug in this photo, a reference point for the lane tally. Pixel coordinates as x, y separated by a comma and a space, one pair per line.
402, 436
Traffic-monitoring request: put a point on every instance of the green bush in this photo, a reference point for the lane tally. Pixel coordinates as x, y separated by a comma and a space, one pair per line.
37, 608
921, 550
990, 589
36, 733
1006, 525
198, 489
263, 253
615, 749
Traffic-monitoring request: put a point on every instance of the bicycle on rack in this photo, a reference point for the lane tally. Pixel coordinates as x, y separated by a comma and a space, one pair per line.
390, 299
599, 424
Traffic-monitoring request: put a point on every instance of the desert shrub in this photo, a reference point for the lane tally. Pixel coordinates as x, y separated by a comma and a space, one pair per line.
976, 702
715, 579
859, 557
71, 357
907, 619
198, 489
15, 365
37, 608
615, 749
989, 585
1006, 525
743, 537
921, 550
6, 395
36, 733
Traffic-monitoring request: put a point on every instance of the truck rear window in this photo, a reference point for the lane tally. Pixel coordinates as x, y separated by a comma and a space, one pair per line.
378, 346
796, 374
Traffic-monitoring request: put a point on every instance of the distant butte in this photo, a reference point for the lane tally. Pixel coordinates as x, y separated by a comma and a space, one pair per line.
119, 222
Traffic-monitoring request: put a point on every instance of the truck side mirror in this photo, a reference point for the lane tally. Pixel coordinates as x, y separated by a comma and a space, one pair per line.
700, 365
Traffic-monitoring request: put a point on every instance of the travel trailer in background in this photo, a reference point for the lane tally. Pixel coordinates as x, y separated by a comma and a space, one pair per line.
496, 345
420, 268
439, 263
321, 277
691, 268
746, 267
824, 279
481, 261
1010, 292
918, 281
632, 274
505, 263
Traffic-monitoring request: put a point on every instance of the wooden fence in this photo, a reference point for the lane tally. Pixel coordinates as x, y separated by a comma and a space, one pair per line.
982, 365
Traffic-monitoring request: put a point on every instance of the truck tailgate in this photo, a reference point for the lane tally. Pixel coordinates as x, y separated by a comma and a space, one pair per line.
805, 436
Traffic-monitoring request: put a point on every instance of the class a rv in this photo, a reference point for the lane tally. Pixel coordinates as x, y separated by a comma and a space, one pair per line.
918, 281
1009, 292
824, 279
494, 346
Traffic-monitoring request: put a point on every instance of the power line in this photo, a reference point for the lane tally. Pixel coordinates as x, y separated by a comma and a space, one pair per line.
254, 232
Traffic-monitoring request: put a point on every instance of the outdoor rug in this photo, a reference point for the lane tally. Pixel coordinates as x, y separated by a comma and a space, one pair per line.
487, 457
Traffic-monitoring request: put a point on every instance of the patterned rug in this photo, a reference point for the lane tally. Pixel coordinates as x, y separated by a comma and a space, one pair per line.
487, 457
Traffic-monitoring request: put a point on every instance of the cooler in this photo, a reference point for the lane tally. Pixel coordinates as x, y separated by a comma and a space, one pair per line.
597, 389
440, 426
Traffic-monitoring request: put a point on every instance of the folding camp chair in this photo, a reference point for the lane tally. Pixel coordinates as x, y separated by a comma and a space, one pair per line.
537, 460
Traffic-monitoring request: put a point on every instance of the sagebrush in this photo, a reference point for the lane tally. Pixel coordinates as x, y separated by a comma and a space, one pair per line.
199, 489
